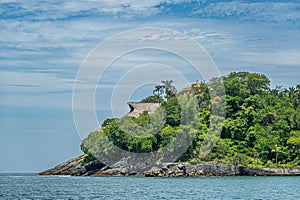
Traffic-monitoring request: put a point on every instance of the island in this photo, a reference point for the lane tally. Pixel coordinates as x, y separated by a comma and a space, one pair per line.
236, 125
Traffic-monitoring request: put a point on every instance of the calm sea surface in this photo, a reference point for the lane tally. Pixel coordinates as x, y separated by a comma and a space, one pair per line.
29, 186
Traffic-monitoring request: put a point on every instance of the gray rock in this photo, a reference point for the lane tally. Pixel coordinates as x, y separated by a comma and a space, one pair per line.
76, 167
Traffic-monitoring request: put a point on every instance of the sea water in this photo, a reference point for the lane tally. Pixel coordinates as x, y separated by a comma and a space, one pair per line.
29, 186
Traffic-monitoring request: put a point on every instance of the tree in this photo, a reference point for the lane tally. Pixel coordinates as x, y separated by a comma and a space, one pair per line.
257, 83
158, 90
170, 90
277, 150
173, 110
261, 124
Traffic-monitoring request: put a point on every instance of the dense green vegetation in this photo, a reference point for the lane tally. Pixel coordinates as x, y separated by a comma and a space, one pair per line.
261, 128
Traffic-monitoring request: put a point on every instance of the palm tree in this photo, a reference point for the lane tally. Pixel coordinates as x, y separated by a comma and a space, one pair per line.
294, 95
277, 150
170, 90
158, 90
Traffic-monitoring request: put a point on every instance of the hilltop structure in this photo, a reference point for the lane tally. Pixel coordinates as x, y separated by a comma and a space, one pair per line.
136, 108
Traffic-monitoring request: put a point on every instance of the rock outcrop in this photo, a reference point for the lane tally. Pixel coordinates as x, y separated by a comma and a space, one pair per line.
136, 108
76, 167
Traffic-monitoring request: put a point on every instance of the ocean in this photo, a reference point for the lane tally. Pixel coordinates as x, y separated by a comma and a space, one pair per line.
30, 186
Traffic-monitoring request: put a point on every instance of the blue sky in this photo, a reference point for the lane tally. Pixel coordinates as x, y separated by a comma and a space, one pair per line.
43, 43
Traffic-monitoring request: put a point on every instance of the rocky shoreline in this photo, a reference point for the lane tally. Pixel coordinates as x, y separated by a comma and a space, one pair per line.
76, 167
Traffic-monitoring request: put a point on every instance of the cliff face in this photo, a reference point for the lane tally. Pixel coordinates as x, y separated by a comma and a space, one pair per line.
76, 167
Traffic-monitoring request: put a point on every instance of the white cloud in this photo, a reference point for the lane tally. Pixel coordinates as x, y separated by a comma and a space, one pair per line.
263, 11
36, 43
254, 11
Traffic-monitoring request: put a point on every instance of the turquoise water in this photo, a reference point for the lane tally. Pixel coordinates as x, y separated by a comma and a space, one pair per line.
25, 186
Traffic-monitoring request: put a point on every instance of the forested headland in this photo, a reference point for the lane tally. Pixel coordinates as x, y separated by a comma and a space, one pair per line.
261, 127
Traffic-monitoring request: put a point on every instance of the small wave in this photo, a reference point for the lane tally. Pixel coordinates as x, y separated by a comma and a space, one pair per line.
62, 175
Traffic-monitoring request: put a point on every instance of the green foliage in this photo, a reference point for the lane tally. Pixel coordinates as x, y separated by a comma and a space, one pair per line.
262, 125
88, 158
152, 99
294, 139
165, 90
172, 109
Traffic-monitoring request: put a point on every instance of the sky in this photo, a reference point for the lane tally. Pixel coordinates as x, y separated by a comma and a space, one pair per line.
44, 43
